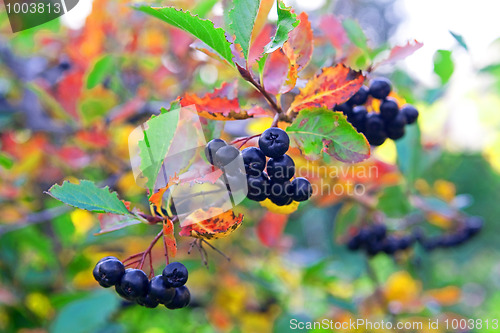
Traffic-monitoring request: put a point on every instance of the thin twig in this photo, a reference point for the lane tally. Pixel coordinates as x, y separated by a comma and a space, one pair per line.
216, 250
150, 247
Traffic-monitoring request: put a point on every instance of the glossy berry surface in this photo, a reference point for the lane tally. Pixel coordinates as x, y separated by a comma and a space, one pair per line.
280, 193
388, 109
148, 301
281, 168
374, 123
410, 113
159, 290
301, 189
225, 155
109, 272
134, 284
360, 97
212, 148
181, 299
254, 160
274, 142
175, 274
258, 187
380, 88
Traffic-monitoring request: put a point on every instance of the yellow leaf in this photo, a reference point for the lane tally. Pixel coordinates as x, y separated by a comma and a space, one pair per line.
445, 190
402, 287
39, 304
82, 220
288, 209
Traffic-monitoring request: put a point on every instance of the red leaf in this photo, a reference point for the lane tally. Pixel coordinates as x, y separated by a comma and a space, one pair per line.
257, 47
279, 75
222, 104
270, 228
169, 238
112, 222
264, 9
334, 31
333, 86
401, 52
299, 47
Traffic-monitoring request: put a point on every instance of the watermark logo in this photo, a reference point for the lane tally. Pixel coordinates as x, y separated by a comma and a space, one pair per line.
190, 185
26, 14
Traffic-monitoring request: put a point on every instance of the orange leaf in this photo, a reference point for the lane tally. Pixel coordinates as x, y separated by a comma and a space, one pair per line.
334, 31
157, 197
257, 48
333, 86
299, 46
211, 224
270, 228
264, 9
169, 238
222, 104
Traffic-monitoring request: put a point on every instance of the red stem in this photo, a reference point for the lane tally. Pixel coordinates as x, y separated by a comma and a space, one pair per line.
148, 250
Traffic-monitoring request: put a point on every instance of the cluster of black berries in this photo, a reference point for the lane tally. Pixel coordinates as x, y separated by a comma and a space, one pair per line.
134, 285
389, 123
374, 239
274, 184
472, 226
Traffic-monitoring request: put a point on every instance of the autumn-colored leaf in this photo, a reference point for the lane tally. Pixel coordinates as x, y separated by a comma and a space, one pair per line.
259, 44
333, 86
401, 52
280, 75
157, 197
260, 21
299, 46
334, 31
221, 104
211, 224
169, 238
270, 228
112, 222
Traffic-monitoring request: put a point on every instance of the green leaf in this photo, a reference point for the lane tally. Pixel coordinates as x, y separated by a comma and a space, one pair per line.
318, 130
460, 40
409, 149
242, 18
202, 29
6, 161
349, 215
86, 315
355, 33
88, 196
393, 202
286, 22
204, 7
443, 65
102, 68
154, 147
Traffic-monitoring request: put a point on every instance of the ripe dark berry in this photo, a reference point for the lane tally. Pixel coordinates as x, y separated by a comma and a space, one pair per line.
376, 138
175, 274
301, 189
225, 155
159, 290
359, 114
254, 160
374, 123
410, 112
395, 128
360, 97
134, 284
388, 109
181, 298
274, 142
280, 193
148, 301
380, 88
379, 231
281, 168
258, 187
109, 272
345, 108
95, 272
354, 243
212, 148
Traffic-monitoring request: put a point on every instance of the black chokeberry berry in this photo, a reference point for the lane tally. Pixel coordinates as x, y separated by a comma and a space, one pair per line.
345, 108
254, 160
109, 272
395, 128
134, 284
388, 109
380, 88
212, 148
301, 189
159, 290
374, 123
410, 113
95, 272
181, 298
280, 193
225, 155
281, 168
358, 119
148, 301
376, 138
175, 275
354, 243
274, 142
258, 187
360, 97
